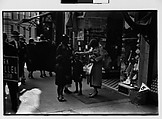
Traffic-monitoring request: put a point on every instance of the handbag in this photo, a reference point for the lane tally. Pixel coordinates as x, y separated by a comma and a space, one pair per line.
88, 68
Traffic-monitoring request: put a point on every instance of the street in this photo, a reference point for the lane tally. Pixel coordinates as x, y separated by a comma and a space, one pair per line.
109, 101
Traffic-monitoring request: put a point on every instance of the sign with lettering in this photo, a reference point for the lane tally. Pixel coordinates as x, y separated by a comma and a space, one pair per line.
10, 68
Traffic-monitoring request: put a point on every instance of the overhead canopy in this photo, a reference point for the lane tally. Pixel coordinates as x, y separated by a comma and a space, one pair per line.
34, 17
30, 22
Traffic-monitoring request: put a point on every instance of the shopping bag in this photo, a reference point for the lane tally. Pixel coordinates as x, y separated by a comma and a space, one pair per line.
88, 68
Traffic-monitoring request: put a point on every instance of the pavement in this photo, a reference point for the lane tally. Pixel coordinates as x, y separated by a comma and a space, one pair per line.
49, 105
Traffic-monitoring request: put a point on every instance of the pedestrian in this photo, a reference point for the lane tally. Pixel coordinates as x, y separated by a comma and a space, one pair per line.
77, 73
21, 48
22, 56
63, 67
42, 43
52, 59
10, 50
95, 56
31, 57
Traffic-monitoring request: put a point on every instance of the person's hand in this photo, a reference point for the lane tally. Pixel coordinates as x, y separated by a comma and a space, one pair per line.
92, 56
92, 60
77, 53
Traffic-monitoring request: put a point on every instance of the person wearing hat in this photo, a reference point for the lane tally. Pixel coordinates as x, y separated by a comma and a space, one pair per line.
31, 58
20, 53
22, 56
10, 50
15, 39
42, 46
96, 56
63, 68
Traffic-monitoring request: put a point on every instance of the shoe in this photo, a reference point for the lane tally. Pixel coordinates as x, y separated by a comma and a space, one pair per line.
93, 95
67, 91
61, 99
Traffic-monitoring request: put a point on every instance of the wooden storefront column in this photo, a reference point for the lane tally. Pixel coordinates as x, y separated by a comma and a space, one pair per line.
59, 26
144, 61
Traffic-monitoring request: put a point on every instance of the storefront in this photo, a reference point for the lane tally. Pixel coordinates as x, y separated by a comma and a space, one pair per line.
139, 63
131, 40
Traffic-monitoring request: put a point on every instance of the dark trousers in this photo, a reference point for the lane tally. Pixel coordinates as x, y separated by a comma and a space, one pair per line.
13, 90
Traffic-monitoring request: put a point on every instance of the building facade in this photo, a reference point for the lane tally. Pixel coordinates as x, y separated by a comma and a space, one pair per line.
11, 22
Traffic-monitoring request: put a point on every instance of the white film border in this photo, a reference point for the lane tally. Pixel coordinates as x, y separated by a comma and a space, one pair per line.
101, 1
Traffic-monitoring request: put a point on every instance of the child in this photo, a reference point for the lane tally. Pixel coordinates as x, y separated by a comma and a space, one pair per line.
77, 73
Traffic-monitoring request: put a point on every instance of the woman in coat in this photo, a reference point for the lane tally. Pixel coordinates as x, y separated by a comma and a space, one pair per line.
63, 67
95, 56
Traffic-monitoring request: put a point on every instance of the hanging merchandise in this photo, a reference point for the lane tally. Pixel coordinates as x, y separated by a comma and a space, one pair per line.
127, 81
134, 77
143, 88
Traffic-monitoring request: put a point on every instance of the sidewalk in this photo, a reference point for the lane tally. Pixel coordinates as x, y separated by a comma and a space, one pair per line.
50, 105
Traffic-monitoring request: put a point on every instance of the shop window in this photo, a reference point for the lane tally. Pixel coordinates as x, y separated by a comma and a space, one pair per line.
29, 32
18, 15
7, 15
12, 28
12, 15
23, 14
24, 31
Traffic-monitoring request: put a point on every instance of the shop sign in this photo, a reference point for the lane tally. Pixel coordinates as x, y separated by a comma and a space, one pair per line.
10, 68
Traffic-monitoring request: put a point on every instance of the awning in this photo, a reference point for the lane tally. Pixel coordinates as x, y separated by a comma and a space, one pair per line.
34, 17
31, 21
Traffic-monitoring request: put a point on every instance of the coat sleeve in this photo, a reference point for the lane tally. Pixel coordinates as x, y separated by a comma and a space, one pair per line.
59, 54
101, 55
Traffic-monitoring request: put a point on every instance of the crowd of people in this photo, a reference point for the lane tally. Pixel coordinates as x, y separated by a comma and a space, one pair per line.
32, 55
68, 64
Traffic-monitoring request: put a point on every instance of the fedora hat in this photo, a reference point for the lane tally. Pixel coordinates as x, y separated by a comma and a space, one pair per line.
21, 36
15, 34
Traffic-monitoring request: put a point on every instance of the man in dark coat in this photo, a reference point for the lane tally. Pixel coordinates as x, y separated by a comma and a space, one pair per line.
22, 56
31, 57
10, 50
21, 49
